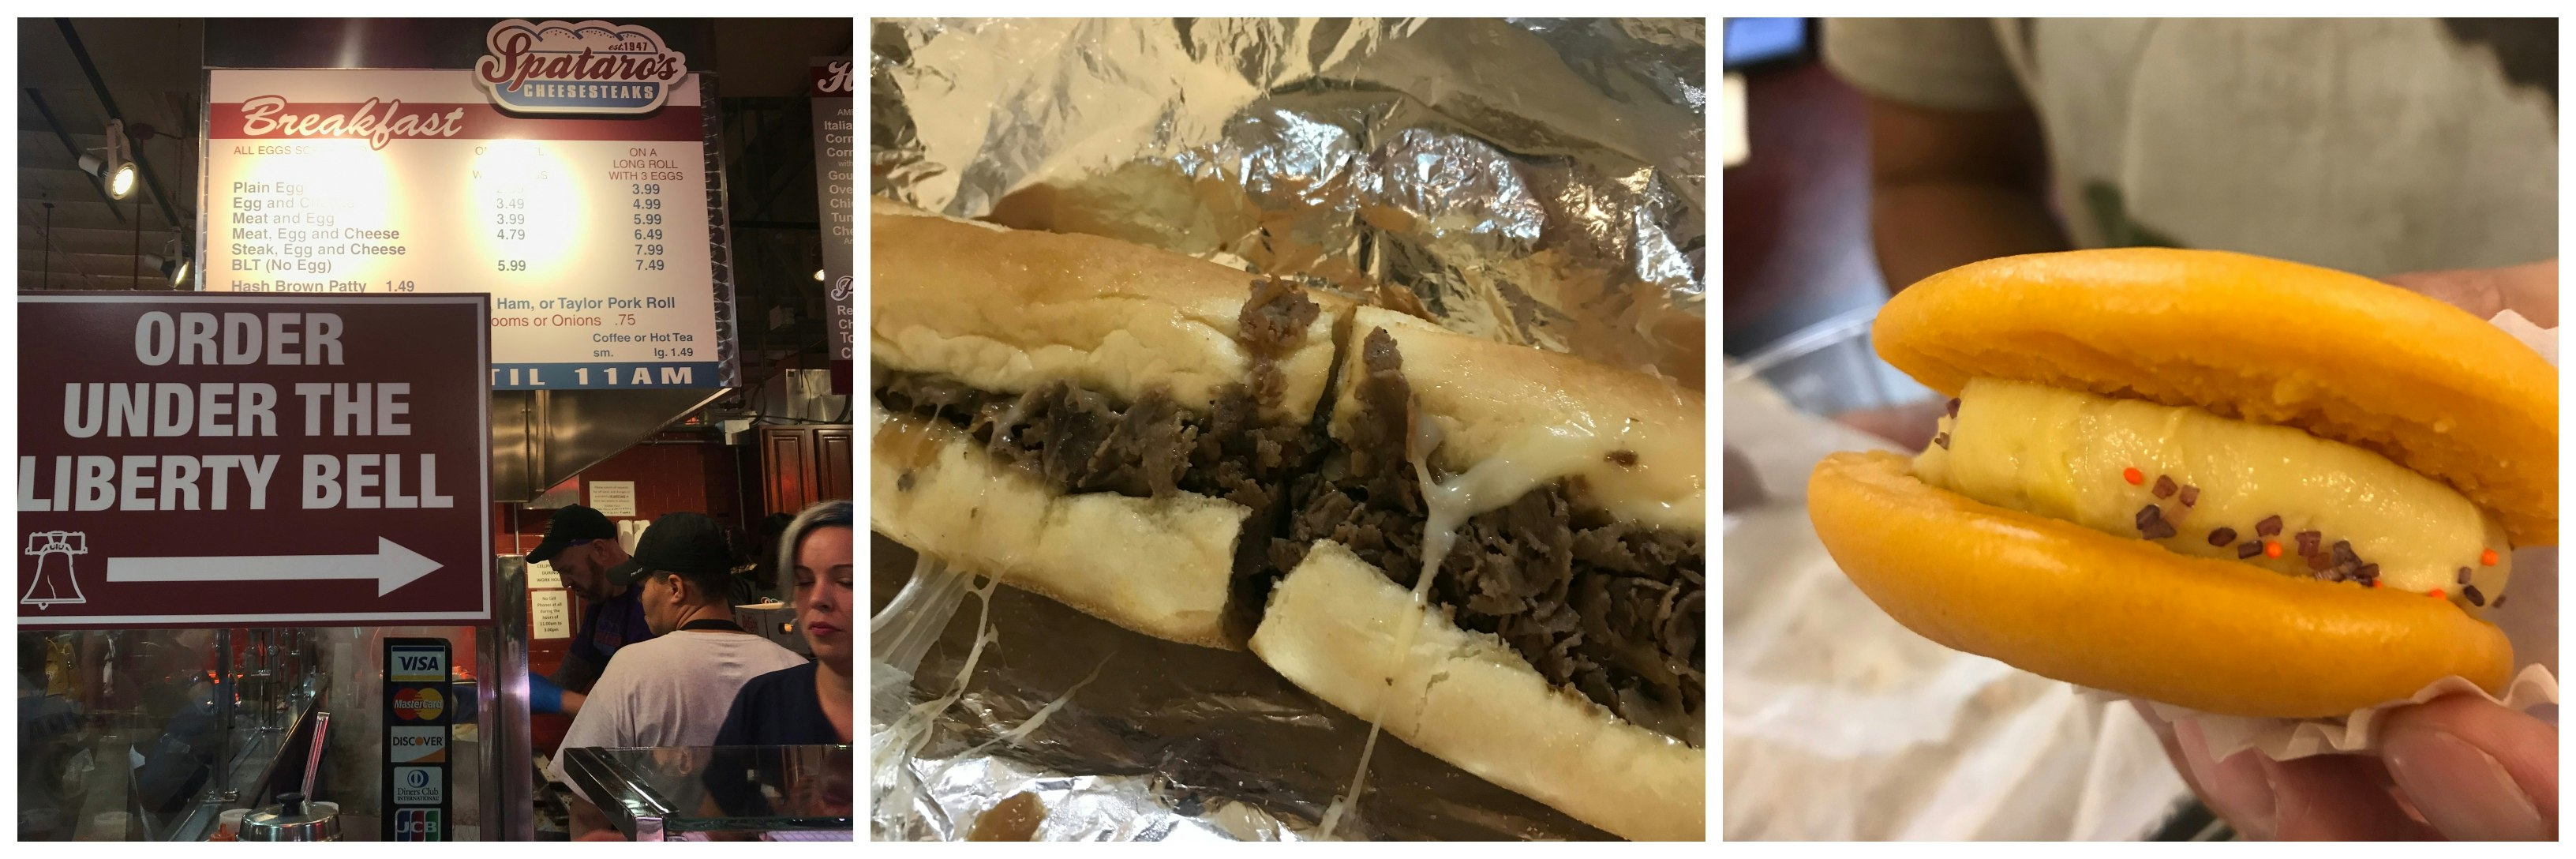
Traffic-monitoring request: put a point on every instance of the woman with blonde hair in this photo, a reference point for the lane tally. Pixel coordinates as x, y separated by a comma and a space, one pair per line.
809, 704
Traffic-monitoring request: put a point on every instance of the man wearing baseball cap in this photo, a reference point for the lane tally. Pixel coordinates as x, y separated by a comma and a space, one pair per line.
672, 690
582, 546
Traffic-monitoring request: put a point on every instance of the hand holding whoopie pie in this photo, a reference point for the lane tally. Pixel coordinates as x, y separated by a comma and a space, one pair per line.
2233, 484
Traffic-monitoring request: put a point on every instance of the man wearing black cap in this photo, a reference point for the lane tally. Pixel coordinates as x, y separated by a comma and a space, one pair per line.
674, 689
582, 546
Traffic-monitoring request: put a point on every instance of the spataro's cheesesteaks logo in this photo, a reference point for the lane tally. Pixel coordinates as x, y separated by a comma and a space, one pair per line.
590, 67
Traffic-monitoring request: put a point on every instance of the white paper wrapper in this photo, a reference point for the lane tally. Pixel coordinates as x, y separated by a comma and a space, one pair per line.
2288, 739
2356, 733
2541, 340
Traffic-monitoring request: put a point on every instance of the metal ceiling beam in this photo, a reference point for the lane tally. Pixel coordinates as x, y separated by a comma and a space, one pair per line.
99, 85
74, 149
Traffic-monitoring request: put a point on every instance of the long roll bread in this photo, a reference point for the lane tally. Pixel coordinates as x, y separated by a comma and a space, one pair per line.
1103, 423
1556, 648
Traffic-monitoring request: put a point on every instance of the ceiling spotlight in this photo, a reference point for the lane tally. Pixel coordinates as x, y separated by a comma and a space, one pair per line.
118, 167
174, 269
119, 176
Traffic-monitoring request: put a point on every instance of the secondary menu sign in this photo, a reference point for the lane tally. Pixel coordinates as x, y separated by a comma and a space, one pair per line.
229, 460
835, 185
565, 176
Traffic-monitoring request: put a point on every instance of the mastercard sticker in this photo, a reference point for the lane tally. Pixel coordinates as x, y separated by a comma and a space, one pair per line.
419, 705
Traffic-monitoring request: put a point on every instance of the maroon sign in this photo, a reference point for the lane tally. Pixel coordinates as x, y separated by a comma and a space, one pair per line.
230, 460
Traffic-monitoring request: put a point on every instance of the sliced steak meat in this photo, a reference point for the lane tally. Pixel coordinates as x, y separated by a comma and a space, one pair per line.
1079, 440
1611, 610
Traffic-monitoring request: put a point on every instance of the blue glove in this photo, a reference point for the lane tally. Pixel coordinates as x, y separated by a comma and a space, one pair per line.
544, 696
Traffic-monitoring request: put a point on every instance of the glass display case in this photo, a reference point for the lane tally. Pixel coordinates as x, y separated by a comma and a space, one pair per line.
776, 793
151, 734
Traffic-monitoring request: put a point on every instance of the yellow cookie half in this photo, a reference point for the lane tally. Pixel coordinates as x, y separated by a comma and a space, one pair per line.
2067, 602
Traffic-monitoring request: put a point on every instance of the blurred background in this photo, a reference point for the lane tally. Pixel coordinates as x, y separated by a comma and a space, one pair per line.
1863, 155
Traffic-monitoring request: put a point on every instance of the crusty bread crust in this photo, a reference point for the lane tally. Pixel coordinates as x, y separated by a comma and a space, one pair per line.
1009, 310
1332, 628
2064, 601
1158, 566
1494, 399
2339, 355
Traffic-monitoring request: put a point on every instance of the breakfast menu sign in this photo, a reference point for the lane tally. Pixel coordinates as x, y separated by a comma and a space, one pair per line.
565, 175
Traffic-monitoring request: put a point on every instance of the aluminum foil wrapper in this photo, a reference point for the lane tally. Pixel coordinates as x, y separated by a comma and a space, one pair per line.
1539, 182
1535, 181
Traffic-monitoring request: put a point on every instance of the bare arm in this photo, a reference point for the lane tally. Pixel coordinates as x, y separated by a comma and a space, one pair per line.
1949, 188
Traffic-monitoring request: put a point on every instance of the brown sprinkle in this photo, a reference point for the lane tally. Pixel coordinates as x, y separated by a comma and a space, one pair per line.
2308, 542
1628, 458
2190, 495
2248, 549
2333, 575
2164, 486
2224, 536
2152, 525
2367, 572
2463, 577
2269, 527
2499, 602
1954, 407
2343, 553
1942, 439
2475, 598
2318, 561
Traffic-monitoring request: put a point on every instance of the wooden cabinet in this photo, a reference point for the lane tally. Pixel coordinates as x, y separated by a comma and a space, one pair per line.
801, 465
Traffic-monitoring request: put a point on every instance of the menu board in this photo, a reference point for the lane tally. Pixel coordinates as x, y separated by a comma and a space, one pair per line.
591, 233
836, 182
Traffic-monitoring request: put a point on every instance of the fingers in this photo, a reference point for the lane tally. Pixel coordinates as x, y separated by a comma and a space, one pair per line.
2235, 789
2530, 289
2335, 798
2476, 770
2471, 290
2315, 798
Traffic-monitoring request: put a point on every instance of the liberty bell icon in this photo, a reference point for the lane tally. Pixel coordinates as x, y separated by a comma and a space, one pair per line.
55, 583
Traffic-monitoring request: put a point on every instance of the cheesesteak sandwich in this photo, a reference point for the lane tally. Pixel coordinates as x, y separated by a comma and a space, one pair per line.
1225, 459
1553, 643
1103, 423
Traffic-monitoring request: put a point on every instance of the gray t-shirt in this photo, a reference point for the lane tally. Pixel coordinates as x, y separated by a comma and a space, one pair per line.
2375, 146
670, 691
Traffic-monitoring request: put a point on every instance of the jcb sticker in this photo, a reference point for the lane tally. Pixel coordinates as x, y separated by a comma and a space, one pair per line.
419, 745
416, 824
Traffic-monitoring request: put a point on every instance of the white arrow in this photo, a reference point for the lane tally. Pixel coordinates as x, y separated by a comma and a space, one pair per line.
392, 566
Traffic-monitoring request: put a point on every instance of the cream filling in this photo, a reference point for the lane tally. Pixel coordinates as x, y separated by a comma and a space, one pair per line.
2068, 455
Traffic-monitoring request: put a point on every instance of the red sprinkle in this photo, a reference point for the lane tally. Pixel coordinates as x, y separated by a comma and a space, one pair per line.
2488, 557
2436, 594
2135, 477
2271, 549
2374, 583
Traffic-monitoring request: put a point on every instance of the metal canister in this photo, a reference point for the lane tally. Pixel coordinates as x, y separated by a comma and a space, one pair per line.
293, 819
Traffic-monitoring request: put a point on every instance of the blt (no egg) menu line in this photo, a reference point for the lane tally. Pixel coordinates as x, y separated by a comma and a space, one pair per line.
590, 233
